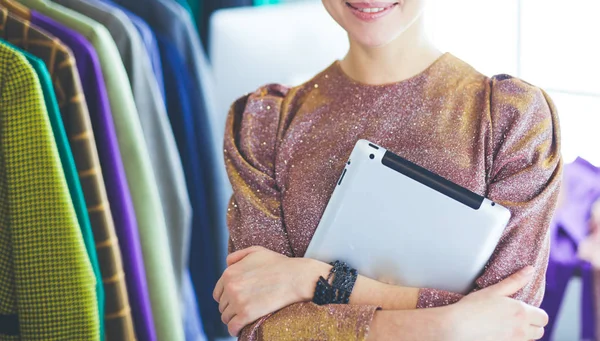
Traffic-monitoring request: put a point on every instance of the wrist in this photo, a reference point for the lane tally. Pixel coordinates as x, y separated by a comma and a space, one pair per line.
381, 326
388, 297
447, 318
310, 271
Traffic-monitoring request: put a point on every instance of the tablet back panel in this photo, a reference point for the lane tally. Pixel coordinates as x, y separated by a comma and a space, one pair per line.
401, 224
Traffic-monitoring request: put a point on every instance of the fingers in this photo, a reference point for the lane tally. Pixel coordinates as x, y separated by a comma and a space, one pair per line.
240, 254
235, 326
536, 316
223, 303
534, 333
511, 284
228, 315
218, 290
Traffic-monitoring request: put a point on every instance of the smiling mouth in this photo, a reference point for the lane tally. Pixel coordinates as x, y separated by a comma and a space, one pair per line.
371, 9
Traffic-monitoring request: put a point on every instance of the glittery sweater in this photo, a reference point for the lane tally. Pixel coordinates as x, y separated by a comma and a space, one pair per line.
286, 147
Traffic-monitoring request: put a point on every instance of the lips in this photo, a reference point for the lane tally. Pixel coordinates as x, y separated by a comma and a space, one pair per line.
371, 6
371, 11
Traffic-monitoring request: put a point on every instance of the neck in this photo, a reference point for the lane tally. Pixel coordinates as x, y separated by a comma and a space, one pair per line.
406, 56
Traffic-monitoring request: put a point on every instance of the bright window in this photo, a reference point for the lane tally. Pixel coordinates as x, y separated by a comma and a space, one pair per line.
552, 44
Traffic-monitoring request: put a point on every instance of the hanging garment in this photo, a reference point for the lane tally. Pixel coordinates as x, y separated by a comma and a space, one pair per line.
113, 171
196, 9
596, 289
47, 280
16, 9
265, 2
179, 90
150, 44
75, 115
581, 188
186, 5
192, 325
170, 20
140, 175
70, 170
164, 155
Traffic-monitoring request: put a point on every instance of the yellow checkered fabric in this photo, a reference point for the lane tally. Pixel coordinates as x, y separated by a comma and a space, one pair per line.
71, 101
47, 286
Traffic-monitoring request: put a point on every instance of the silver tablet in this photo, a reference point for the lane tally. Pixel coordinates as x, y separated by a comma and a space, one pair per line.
399, 223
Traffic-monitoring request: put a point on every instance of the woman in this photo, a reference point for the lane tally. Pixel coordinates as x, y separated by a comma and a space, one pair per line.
286, 147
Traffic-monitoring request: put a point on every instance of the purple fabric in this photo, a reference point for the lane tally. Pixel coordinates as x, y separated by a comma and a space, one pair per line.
581, 186
588, 307
112, 170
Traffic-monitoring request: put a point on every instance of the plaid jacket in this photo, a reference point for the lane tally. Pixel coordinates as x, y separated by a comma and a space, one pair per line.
73, 108
47, 286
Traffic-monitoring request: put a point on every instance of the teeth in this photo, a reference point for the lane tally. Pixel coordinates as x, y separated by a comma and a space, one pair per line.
371, 10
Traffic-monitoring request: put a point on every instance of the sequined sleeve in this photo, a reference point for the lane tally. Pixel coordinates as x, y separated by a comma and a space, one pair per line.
254, 218
525, 173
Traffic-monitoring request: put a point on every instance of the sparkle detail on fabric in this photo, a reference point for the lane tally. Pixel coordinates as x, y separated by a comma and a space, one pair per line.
286, 147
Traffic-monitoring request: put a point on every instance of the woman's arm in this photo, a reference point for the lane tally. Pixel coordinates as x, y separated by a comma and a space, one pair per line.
371, 292
487, 314
259, 281
366, 291
484, 315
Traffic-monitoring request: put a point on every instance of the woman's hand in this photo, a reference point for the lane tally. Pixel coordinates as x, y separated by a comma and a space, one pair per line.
491, 315
486, 315
258, 282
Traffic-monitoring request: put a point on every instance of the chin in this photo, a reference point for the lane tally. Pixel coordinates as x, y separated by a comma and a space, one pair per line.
372, 40
374, 35
375, 30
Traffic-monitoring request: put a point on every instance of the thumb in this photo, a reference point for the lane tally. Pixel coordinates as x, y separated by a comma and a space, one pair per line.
511, 284
241, 254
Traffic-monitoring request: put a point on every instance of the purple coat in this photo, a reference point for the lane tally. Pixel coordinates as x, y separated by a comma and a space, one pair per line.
581, 187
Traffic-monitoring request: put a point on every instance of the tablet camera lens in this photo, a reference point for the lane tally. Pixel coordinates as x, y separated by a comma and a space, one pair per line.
493, 204
371, 156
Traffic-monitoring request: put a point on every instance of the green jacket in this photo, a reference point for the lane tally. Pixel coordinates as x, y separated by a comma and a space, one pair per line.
47, 283
70, 171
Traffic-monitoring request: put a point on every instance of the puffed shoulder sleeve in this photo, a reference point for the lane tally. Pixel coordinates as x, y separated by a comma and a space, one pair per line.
525, 176
255, 217
251, 134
